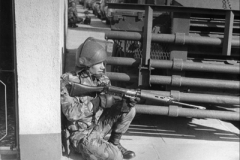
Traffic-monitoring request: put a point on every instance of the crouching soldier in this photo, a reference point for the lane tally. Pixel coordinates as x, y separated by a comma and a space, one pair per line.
73, 18
91, 117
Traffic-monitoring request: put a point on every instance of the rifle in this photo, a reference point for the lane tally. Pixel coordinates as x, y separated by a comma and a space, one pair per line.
83, 90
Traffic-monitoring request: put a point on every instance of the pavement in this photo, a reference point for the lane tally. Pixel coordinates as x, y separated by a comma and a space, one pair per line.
154, 137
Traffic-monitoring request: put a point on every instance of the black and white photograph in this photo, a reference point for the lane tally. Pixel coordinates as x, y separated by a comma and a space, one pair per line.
119, 79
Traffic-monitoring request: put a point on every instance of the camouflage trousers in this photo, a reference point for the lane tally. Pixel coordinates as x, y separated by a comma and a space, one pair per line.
94, 146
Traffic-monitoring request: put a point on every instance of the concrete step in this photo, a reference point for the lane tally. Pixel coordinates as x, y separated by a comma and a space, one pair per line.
8, 154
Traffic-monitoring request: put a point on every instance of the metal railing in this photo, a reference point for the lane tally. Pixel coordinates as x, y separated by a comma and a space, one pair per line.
179, 39
179, 81
145, 64
175, 111
177, 64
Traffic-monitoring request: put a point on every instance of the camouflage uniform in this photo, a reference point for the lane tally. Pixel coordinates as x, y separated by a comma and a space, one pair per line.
89, 127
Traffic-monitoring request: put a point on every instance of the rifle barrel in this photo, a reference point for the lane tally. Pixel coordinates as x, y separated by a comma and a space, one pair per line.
149, 96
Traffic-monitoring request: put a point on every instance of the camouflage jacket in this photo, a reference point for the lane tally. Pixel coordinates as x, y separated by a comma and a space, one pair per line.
79, 110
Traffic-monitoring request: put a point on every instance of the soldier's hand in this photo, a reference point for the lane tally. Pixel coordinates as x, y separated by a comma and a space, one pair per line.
128, 103
108, 100
132, 101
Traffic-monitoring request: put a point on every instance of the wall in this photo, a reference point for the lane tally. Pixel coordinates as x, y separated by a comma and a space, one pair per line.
39, 45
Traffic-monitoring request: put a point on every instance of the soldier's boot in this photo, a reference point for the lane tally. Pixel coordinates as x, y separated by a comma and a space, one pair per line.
115, 139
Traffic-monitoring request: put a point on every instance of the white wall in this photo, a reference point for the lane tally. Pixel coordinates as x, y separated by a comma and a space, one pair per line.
39, 42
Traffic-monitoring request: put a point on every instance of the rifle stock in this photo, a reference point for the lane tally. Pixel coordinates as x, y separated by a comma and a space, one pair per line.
84, 90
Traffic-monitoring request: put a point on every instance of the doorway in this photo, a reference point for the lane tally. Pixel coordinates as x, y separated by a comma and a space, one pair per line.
8, 83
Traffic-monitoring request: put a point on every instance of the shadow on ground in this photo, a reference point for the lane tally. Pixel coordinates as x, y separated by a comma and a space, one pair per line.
177, 127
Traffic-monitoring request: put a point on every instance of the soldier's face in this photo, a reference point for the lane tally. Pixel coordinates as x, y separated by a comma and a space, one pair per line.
97, 69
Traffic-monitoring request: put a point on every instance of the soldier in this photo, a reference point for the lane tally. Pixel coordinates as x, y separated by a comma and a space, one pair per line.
90, 118
73, 18
87, 19
95, 7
